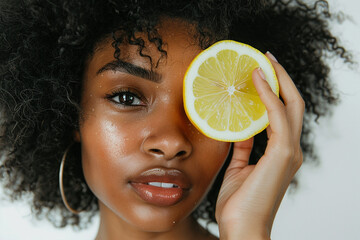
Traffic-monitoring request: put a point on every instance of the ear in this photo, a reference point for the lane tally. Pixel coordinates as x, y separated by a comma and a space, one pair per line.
77, 137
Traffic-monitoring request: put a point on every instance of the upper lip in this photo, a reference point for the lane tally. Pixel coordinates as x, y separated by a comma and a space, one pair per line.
174, 176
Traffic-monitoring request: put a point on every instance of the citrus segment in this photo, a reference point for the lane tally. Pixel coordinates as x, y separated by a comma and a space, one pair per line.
219, 96
227, 59
211, 70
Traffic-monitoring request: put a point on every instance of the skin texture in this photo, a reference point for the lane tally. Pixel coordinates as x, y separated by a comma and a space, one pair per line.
120, 142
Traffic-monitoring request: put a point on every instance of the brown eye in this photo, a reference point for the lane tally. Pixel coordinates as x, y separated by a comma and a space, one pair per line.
127, 99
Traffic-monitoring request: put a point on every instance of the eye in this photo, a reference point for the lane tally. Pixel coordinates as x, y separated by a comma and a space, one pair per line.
126, 98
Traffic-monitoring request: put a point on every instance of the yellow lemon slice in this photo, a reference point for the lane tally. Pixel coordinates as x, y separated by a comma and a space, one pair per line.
220, 98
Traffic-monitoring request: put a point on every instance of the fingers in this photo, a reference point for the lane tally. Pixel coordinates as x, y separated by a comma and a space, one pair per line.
285, 118
284, 80
241, 154
295, 105
240, 157
275, 108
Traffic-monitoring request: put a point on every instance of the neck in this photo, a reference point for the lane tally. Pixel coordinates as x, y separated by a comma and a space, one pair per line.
114, 227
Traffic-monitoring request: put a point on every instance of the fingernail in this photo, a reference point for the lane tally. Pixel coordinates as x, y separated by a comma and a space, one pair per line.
271, 56
261, 73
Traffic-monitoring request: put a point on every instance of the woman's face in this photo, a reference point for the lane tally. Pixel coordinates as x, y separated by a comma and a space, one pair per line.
136, 136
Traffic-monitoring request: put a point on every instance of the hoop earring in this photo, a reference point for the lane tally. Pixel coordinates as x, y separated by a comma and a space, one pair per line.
61, 185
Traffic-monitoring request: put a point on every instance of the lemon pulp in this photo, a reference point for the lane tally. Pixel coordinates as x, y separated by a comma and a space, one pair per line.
219, 94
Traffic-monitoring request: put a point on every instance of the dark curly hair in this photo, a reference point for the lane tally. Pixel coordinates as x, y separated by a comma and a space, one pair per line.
43, 49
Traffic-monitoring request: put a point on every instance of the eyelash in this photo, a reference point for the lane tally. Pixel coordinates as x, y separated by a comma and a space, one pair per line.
122, 92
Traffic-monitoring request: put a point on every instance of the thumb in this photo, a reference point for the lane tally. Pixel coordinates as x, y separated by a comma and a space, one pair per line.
241, 154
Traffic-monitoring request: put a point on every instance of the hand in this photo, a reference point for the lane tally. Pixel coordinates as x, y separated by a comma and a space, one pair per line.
251, 194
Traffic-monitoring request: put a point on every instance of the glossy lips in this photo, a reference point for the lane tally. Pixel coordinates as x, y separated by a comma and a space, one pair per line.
161, 187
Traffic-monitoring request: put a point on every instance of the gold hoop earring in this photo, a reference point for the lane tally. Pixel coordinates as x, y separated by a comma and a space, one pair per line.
61, 185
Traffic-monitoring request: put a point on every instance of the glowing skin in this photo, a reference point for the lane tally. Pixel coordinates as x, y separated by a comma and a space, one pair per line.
120, 142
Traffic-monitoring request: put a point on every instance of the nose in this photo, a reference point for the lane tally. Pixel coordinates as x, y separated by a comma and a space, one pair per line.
167, 139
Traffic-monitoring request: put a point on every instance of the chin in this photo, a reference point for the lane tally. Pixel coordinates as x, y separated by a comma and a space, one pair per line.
155, 219
158, 227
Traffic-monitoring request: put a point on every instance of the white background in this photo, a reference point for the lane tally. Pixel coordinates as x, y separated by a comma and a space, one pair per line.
327, 202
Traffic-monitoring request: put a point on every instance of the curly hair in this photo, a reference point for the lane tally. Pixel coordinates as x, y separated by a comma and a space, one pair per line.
43, 49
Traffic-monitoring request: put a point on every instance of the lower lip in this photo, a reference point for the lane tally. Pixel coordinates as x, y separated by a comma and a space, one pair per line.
158, 196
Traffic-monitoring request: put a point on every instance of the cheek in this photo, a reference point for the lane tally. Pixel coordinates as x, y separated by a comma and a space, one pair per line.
105, 147
210, 158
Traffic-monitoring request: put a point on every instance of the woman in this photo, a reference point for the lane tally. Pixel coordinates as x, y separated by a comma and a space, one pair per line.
97, 86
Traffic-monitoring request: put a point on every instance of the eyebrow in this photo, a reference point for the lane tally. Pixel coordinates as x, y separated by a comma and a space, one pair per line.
121, 66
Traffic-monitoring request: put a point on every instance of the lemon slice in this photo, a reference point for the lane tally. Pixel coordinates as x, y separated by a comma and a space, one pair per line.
220, 98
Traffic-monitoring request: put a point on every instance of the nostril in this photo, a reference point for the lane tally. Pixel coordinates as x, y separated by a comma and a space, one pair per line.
160, 152
157, 151
181, 153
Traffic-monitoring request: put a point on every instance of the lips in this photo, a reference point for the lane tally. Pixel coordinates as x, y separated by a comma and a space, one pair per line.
161, 187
